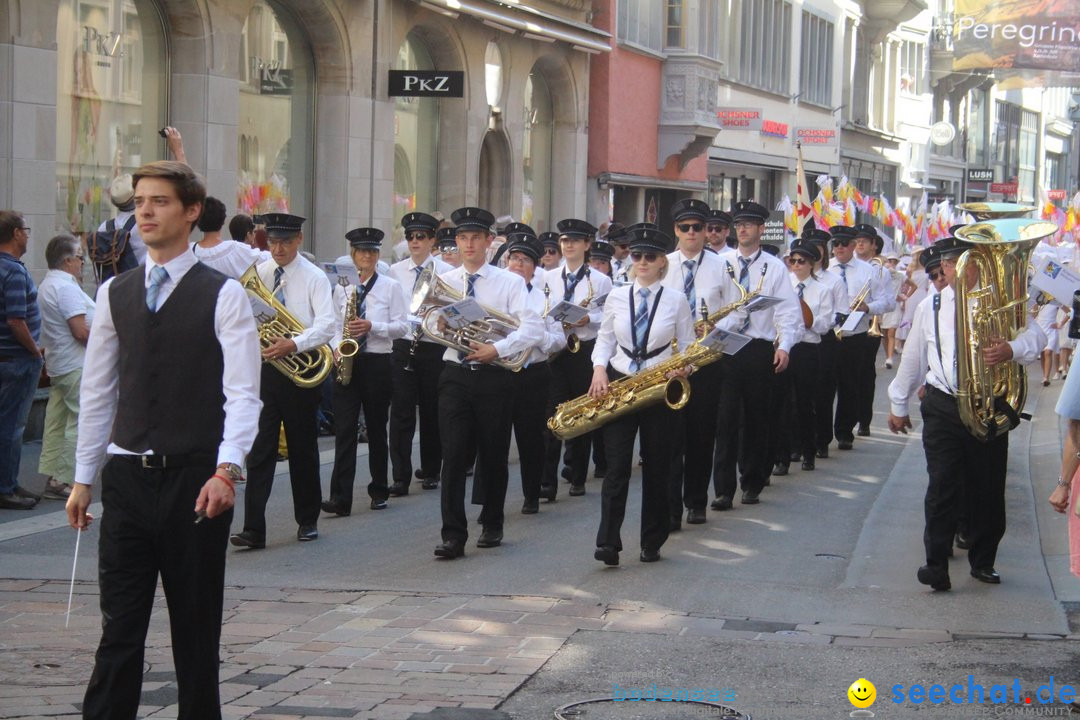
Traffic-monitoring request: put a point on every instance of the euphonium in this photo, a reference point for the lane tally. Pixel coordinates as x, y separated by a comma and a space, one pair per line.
994, 211
431, 294
991, 299
306, 369
348, 347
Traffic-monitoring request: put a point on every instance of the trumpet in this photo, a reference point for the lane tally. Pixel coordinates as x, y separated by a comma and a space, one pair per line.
348, 347
875, 321
859, 300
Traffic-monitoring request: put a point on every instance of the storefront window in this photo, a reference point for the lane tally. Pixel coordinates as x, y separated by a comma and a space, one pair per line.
493, 74
274, 136
536, 190
110, 102
416, 134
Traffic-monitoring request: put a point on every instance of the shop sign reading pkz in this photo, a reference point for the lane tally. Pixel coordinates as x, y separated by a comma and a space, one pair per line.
426, 83
104, 45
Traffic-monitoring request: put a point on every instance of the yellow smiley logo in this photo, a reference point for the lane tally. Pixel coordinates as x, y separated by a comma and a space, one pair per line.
862, 693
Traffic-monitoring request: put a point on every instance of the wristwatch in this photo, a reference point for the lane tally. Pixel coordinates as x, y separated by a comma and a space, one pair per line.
1062, 482
233, 470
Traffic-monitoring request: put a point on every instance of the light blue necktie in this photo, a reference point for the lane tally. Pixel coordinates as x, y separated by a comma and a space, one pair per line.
688, 286
641, 326
470, 291
801, 286
279, 289
158, 276
744, 274
570, 283
843, 275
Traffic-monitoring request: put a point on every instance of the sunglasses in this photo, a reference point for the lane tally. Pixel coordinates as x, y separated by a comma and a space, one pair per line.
840, 243
647, 256
691, 227
551, 251
935, 275
798, 260
417, 236
715, 228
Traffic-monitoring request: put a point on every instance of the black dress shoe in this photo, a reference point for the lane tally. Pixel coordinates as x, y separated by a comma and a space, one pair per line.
490, 538
780, 469
530, 507
936, 578
431, 483
749, 497
795, 457
398, 489
722, 502
823, 453
378, 504
335, 508
607, 554
450, 549
648, 555
549, 492
675, 523
844, 444
248, 539
695, 516
600, 473
307, 533
963, 542
11, 501
986, 575
420, 474
808, 464
863, 431
576, 490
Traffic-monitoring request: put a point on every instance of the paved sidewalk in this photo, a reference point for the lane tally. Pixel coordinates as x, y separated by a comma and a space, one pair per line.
295, 653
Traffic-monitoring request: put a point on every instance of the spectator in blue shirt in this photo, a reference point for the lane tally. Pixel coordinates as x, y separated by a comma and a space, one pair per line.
20, 356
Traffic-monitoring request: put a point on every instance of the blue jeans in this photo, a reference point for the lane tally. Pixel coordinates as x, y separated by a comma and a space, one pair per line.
18, 381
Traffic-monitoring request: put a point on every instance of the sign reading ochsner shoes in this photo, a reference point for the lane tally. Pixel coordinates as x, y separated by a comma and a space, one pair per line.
427, 83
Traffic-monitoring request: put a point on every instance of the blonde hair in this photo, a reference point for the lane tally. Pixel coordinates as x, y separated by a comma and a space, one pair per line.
632, 272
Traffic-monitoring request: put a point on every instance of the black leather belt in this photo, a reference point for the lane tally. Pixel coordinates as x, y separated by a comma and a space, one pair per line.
474, 367
160, 462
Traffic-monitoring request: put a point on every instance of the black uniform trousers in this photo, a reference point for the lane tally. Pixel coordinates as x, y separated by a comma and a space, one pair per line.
868, 378
476, 404
692, 456
825, 395
854, 374
571, 375
370, 390
797, 425
956, 461
530, 424
148, 528
745, 401
295, 407
657, 425
418, 387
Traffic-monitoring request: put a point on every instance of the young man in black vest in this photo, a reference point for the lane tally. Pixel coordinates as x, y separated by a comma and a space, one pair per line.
172, 377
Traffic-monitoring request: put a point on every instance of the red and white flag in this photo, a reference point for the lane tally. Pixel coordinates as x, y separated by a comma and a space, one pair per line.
803, 209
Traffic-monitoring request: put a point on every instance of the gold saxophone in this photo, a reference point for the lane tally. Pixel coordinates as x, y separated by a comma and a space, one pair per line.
708, 321
307, 369
348, 347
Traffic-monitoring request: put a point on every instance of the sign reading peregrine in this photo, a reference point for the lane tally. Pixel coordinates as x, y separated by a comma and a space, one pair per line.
426, 83
1011, 35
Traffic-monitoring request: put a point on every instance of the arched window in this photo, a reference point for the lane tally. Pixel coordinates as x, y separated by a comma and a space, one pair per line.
536, 152
416, 137
110, 102
275, 110
495, 173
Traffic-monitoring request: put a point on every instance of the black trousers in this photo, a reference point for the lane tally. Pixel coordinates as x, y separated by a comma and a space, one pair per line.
657, 425
745, 400
956, 461
369, 390
530, 425
147, 529
571, 374
867, 380
797, 424
418, 387
825, 394
854, 373
476, 405
295, 407
692, 456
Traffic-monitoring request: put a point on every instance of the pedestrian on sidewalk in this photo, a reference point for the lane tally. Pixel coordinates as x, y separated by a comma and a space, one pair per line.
170, 389
66, 314
20, 356
1065, 497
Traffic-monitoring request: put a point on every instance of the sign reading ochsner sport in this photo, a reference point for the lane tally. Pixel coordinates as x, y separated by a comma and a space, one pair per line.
1017, 35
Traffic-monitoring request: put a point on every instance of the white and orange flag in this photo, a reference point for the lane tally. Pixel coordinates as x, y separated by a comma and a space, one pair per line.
803, 209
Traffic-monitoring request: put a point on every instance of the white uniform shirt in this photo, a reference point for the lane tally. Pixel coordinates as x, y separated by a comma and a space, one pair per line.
230, 257
710, 274
616, 337
601, 285
234, 326
837, 291
307, 297
619, 270
60, 298
134, 238
384, 306
921, 362
782, 321
819, 297
504, 292
554, 337
853, 275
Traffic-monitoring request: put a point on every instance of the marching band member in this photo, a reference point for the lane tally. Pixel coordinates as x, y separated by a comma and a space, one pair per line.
416, 366
717, 229
639, 323
447, 244
374, 316
552, 256
825, 395
574, 282
697, 275
868, 246
475, 396
601, 253
954, 458
228, 257
620, 257
305, 292
748, 376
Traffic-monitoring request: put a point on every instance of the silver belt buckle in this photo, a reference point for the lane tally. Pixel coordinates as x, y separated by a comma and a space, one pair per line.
145, 459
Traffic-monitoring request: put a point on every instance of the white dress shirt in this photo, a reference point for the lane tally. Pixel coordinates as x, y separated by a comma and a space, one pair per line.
134, 238
818, 296
619, 270
307, 297
230, 257
601, 285
384, 306
837, 291
782, 321
672, 320
854, 275
554, 338
504, 292
710, 275
234, 326
60, 298
924, 360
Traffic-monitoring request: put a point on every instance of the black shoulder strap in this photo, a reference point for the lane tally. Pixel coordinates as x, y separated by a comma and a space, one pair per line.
130, 224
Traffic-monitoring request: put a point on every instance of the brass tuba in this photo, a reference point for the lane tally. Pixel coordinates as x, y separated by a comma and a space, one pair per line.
994, 211
431, 294
307, 369
990, 304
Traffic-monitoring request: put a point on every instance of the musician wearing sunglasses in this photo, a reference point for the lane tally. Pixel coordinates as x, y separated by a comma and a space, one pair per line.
640, 321
748, 376
620, 256
416, 366
571, 372
718, 232
552, 256
697, 275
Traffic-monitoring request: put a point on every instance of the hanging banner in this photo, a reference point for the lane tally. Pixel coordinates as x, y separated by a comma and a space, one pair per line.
1010, 35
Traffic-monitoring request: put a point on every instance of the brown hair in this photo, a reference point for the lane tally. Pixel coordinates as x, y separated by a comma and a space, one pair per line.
189, 187
10, 221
